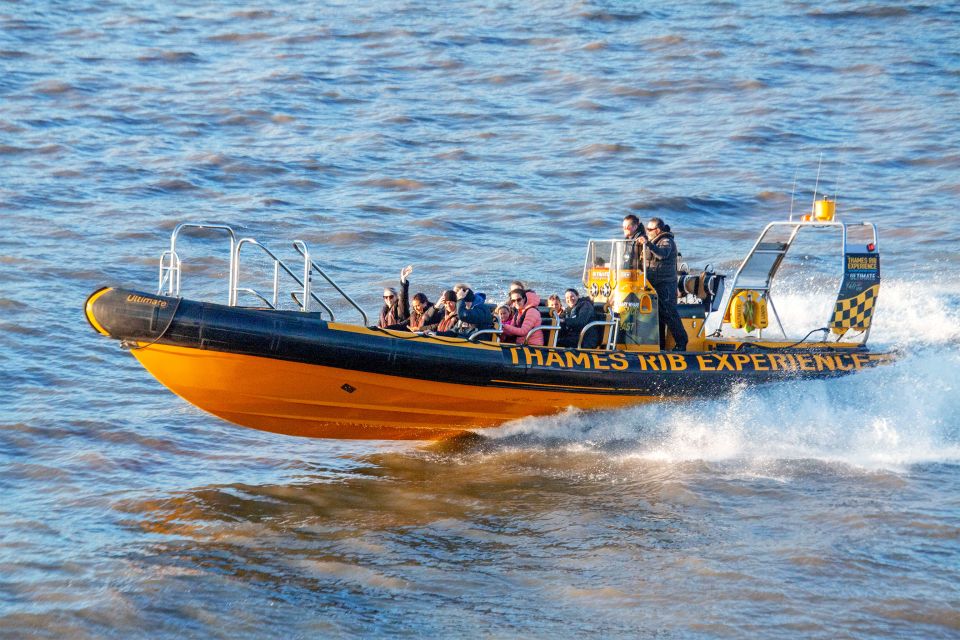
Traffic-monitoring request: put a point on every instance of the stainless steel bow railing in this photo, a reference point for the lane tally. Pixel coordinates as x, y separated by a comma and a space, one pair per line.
171, 266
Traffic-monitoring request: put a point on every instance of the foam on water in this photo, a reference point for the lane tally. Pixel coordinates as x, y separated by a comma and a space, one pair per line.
882, 419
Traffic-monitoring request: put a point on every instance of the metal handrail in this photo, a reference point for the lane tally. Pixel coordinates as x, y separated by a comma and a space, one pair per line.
795, 228
309, 264
614, 324
494, 332
545, 327
174, 265
166, 272
277, 265
171, 267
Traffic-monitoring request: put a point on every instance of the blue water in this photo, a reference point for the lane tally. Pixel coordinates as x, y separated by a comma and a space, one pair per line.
481, 142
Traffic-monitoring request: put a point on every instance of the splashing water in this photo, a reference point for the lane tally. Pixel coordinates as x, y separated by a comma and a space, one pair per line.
885, 418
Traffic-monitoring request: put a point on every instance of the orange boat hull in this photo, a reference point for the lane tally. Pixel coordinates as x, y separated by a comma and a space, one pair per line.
315, 401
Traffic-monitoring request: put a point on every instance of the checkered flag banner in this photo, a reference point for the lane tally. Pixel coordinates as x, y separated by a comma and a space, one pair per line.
854, 313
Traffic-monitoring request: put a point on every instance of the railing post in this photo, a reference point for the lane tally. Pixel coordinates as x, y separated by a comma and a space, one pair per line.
276, 282
307, 268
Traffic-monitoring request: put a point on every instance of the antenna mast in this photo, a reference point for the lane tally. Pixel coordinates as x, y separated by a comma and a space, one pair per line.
816, 186
793, 191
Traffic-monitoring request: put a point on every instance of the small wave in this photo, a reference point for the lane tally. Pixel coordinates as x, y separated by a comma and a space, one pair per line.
174, 57
637, 92
397, 184
689, 204
239, 37
53, 88
174, 186
600, 149
377, 208
8, 304
665, 41
509, 78
919, 614
456, 154
252, 167
866, 12
254, 14
341, 238
276, 202
19, 329
589, 105
613, 16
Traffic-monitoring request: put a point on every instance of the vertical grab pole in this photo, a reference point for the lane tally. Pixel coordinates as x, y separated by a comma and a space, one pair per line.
233, 275
276, 282
306, 278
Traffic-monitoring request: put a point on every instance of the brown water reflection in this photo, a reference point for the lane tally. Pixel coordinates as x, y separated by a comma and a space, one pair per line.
466, 527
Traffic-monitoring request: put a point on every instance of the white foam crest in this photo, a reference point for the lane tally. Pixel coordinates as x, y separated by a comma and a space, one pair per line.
908, 313
883, 419
911, 313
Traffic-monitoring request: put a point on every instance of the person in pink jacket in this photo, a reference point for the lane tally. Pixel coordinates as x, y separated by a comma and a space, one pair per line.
527, 317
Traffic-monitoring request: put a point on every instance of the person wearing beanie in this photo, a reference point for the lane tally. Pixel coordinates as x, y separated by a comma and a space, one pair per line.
448, 300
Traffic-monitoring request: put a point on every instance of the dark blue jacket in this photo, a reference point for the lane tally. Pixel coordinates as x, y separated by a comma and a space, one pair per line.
480, 315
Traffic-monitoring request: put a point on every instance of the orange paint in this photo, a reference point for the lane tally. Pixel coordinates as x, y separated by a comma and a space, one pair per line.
299, 399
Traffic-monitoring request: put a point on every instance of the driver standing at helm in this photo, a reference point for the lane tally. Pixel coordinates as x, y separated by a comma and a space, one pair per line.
661, 257
632, 230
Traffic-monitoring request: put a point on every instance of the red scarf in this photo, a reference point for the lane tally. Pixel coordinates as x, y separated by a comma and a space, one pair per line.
448, 321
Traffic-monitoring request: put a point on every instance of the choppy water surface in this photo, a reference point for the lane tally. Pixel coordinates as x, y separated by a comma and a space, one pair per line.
481, 142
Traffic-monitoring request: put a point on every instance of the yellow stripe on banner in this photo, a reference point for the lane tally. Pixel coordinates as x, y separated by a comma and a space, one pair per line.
861, 318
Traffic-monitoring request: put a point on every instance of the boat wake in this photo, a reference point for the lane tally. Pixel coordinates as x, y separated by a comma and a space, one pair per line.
887, 418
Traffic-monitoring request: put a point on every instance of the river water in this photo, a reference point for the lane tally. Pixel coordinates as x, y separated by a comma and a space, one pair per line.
481, 142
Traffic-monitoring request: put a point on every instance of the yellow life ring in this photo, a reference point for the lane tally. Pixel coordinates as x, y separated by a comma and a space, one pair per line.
747, 311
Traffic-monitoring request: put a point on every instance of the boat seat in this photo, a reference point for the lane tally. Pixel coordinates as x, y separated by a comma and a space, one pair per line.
549, 325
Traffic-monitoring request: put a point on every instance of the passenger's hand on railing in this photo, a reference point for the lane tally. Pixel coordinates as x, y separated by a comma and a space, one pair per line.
405, 272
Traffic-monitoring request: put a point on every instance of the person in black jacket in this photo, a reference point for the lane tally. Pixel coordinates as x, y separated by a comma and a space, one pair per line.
579, 313
660, 253
473, 313
423, 315
632, 231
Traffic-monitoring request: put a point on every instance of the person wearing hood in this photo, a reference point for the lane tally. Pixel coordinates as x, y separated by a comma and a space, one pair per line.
526, 317
578, 314
660, 253
472, 311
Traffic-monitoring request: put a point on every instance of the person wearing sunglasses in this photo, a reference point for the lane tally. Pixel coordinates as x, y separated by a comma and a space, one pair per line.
395, 310
632, 230
526, 317
661, 258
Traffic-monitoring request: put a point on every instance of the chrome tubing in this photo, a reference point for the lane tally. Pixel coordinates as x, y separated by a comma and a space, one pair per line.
611, 339
277, 265
173, 283
309, 264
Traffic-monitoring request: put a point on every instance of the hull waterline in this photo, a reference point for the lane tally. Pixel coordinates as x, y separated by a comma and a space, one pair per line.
296, 374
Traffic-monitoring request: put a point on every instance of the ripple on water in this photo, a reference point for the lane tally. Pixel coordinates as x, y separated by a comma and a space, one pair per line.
482, 142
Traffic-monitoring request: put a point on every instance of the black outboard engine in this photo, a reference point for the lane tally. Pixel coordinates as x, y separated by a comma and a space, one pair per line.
707, 286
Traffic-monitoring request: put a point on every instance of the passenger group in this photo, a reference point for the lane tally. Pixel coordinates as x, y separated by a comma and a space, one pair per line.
461, 312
